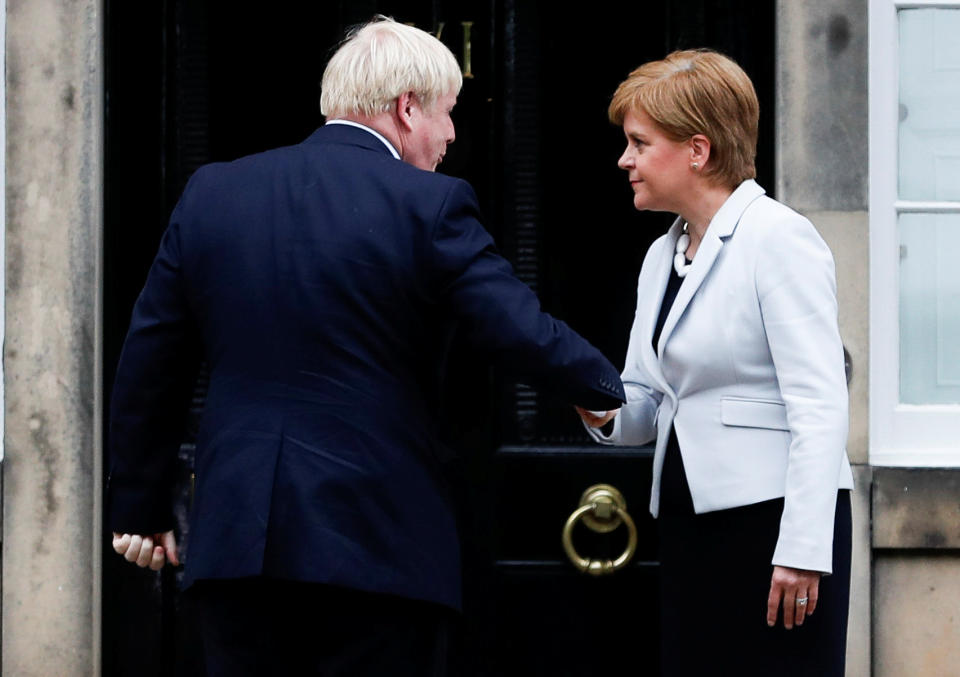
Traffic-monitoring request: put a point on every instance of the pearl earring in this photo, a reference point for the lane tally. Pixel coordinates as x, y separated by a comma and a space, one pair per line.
695, 166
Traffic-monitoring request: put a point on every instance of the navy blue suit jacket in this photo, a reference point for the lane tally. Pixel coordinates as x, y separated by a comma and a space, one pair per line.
319, 282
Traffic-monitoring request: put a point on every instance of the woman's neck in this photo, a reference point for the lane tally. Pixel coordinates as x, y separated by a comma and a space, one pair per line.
701, 210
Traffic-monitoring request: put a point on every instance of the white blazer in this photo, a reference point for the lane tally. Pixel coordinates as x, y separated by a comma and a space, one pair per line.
750, 372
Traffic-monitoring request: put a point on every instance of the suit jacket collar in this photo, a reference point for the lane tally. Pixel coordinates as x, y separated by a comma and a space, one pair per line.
348, 135
721, 227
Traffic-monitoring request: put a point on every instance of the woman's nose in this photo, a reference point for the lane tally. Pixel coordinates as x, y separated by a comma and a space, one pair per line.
625, 160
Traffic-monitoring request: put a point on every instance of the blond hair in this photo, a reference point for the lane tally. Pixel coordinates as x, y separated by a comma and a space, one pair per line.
698, 92
381, 60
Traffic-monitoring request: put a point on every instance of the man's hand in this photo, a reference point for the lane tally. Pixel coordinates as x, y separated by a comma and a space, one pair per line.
799, 589
594, 421
141, 550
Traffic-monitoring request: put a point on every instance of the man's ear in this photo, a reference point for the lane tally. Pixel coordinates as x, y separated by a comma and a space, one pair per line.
406, 108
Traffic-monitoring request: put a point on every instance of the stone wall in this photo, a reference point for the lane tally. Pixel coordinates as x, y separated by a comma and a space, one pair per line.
51, 354
916, 573
822, 172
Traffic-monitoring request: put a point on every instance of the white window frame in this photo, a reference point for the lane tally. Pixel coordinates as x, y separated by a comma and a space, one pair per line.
900, 434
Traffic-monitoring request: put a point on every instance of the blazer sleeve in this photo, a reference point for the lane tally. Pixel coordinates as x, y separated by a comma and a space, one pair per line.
796, 288
157, 368
636, 423
502, 315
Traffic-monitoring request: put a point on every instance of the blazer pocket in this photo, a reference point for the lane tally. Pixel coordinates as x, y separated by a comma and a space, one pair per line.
747, 413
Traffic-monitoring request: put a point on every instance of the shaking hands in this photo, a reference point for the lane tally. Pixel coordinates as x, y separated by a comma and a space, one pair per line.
596, 419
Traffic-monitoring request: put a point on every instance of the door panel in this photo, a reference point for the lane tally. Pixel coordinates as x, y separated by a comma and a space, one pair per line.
193, 81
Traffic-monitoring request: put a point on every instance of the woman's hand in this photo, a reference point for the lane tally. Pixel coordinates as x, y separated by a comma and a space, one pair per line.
594, 421
798, 589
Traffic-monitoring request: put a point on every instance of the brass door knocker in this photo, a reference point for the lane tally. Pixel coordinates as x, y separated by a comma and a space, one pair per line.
602, 509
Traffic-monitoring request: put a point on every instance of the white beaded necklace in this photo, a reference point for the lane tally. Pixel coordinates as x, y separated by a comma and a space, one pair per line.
680, 258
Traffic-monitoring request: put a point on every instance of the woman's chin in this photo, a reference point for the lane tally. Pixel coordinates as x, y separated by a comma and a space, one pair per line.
641, 204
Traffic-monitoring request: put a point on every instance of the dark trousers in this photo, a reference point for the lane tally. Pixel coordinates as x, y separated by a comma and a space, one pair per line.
715, 578
264, 627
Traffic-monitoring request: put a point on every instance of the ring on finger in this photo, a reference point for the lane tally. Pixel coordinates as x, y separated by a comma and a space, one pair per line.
802, 601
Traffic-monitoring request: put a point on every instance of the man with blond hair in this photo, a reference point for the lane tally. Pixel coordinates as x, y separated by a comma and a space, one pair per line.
320, 282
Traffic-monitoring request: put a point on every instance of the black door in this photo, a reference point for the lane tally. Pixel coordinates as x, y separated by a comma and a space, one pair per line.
190, 81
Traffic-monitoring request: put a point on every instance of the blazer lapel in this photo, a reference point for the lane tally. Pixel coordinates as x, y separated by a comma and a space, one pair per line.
702, 263
721, 227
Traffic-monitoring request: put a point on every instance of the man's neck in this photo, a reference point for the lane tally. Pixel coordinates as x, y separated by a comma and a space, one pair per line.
384, 124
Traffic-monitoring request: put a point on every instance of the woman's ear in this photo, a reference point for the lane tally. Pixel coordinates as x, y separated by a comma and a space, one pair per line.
699, 150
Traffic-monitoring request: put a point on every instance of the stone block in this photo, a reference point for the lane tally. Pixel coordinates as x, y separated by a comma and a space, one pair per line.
822, 104
916, 615
916, 508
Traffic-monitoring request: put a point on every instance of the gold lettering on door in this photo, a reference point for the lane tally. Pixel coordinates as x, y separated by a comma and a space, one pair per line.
467, 49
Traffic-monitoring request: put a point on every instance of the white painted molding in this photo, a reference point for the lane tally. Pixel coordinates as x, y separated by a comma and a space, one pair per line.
925, 458
910, 207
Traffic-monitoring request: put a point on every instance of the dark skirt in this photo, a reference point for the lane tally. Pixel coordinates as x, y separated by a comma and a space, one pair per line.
715, 578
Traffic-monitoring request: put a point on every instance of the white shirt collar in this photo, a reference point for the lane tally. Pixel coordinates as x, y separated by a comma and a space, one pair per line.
393, 151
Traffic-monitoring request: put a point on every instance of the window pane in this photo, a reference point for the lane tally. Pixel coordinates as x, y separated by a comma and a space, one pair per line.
930, 308
929, 136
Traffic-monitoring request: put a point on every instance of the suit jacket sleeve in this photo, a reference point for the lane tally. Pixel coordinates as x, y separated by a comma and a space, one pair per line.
157, 367
502, 314
796, 287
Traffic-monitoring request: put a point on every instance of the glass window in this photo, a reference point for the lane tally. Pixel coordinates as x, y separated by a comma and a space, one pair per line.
929, 162
929, 308
928, 169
